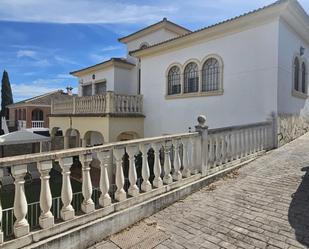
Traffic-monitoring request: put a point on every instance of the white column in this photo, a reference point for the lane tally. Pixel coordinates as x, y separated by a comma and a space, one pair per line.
202, 129
120, 194
167, 179
185, 159
67, 211
157, 181
21, 226
146, 185
87, 205
105, 199
133, 189
46, 218
1, 233
177, 163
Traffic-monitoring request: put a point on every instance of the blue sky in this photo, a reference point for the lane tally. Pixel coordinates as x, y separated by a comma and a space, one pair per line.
41, 41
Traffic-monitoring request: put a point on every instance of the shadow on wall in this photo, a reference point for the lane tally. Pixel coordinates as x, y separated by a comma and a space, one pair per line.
298, 210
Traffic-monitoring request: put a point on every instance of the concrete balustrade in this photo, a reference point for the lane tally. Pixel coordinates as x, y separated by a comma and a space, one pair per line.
174, 160
99, 104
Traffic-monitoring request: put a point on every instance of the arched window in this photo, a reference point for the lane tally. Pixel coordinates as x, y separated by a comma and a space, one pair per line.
191, 78
37, 115
173, 79
296, 74
211, 75
303, 77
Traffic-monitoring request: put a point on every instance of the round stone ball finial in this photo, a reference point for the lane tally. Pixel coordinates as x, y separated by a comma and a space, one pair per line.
201, 120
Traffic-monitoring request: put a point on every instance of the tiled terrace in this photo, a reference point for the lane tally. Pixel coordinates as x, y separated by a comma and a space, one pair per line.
262, 205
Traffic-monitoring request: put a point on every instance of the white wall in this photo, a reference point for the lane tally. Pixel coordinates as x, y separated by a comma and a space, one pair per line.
289, 46
250, 83
106, 74
152, 38
126, 81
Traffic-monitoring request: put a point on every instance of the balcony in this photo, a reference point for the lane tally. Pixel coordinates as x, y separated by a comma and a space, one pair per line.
109, 103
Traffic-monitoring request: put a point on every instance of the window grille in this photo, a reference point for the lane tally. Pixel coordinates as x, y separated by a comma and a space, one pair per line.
100, 88
87, 90
296, 74
211, 75
191, 79
174, 84
304, 73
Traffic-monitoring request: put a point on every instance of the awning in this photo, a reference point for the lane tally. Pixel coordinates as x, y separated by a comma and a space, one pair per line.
22, 137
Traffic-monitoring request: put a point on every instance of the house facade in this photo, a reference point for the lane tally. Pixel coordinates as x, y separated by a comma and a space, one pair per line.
32, 114
236, 72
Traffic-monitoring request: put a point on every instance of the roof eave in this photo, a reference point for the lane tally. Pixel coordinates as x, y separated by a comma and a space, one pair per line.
216, 30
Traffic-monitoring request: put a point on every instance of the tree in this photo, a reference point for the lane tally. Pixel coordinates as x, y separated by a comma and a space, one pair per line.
6, 95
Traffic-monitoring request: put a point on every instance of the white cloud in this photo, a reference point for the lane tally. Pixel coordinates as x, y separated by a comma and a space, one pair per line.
27, 53
110, 48
65, 76
65, 60
81, 11
24, 91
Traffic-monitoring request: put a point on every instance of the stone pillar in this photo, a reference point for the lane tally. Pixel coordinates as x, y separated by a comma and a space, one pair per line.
133, 189
21, 226
177, 176
120, 194
167, 179
105, 199
67, 211
202, 129
87, 205
146, 185
157, 181
46, 218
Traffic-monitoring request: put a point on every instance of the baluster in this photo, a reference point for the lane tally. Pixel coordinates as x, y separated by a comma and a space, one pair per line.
67, 211
211, 152
133, 189
46, 218
222, 158
251, 143
235, 146
21, 225
87, 205
217, 162
177, 163
185, 158
157, 181
120, 194
104, 158
253, 140
1, 232
194, 170
146, 185
167, 179
262, 139
227, 147
246, 142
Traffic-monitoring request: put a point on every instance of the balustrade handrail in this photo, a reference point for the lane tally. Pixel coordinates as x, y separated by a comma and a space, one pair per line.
107, 103
161, 161
54, 155
238, 127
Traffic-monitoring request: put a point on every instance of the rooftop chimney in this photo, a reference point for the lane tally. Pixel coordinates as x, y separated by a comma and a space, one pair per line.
69, 90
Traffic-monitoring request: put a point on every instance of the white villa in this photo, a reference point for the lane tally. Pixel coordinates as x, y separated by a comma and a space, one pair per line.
236, 72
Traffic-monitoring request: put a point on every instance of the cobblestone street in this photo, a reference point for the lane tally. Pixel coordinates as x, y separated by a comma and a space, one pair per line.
262, 205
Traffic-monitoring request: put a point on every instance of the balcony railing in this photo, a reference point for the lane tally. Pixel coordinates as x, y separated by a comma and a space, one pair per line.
21, 124
108, 103
37, 124
172, 158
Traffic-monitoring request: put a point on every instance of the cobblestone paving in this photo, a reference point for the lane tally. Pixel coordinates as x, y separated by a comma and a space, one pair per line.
265, 204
